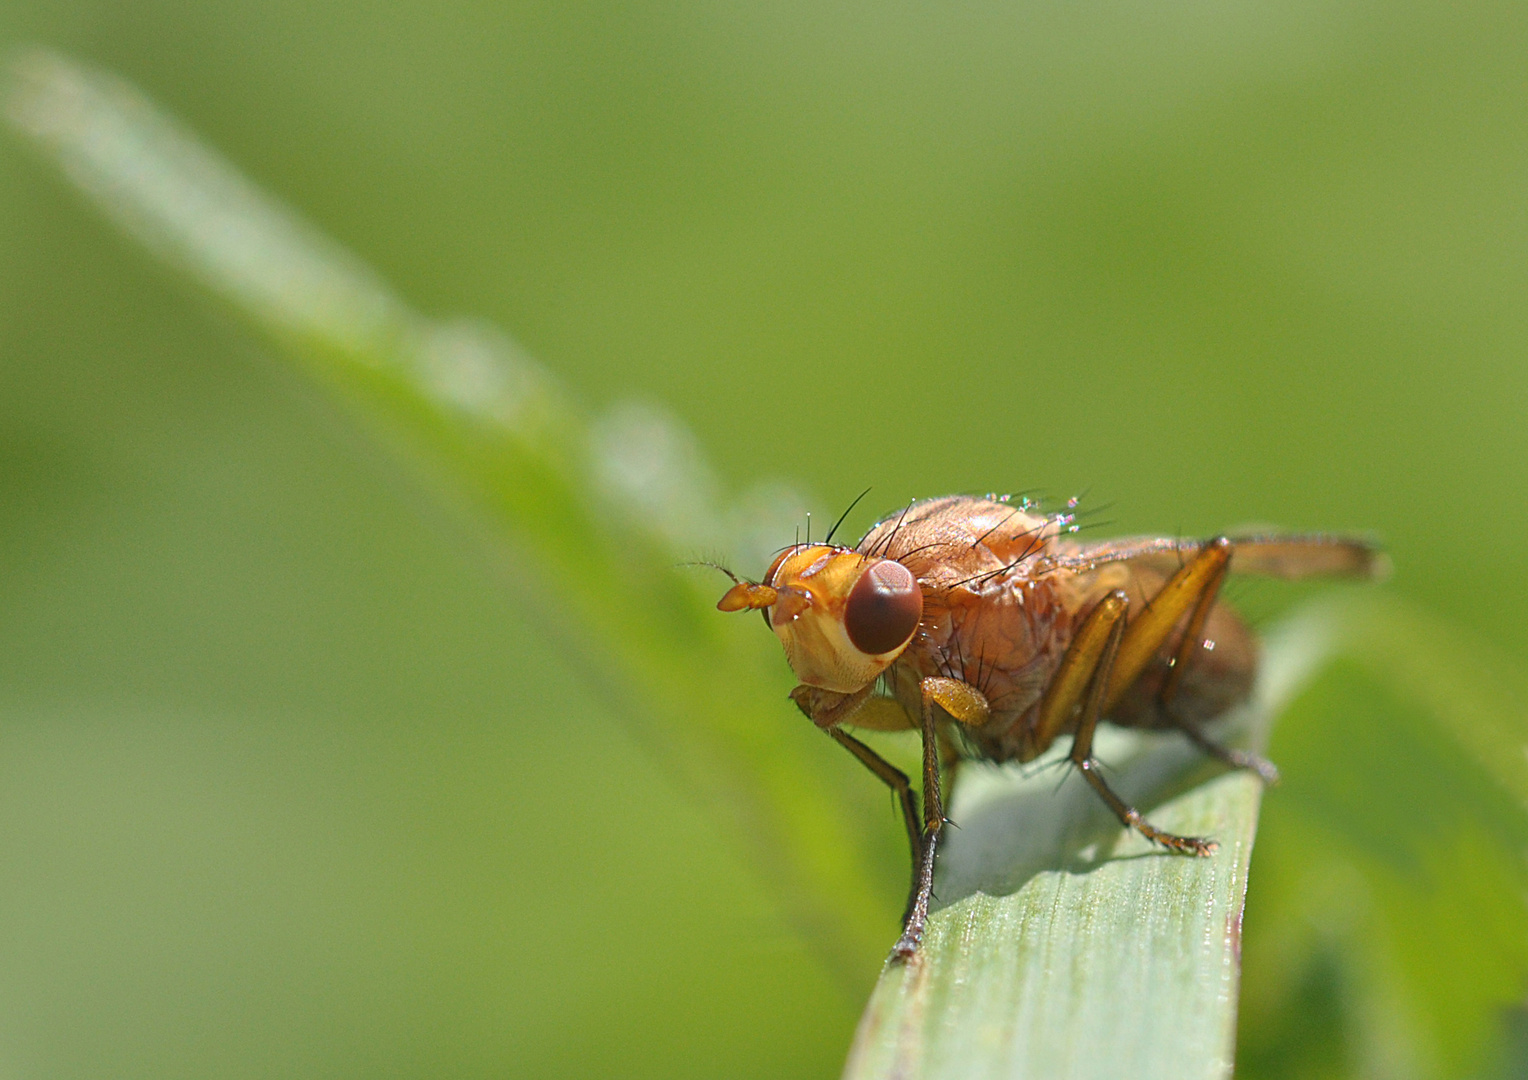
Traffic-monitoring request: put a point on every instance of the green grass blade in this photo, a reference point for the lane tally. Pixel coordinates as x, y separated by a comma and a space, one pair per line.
1066, 947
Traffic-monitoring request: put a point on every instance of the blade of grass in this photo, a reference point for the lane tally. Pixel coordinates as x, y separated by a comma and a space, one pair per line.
1067, 947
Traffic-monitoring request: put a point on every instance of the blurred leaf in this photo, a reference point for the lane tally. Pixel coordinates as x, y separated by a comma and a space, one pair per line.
594, 512
1387, 930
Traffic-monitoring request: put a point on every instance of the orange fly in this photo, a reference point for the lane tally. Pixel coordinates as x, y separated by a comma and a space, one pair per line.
984, 626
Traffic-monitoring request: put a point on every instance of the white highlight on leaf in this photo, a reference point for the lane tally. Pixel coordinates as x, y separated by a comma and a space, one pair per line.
477, 368
651, 465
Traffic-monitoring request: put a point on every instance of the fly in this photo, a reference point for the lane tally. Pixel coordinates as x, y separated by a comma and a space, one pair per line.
986, 628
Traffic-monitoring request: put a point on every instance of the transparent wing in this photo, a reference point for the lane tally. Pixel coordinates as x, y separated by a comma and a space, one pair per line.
1291, 556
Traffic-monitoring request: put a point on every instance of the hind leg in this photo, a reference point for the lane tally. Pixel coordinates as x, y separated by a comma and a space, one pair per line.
1081, 683
1189, 646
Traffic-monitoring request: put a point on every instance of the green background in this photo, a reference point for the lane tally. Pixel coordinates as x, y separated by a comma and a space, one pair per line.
289, 786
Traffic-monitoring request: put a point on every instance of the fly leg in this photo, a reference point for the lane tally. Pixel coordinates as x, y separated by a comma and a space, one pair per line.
968, 706
1266, 770
895, 779
1082, 681
1149, 630
949, 763
1188, 647
933, 822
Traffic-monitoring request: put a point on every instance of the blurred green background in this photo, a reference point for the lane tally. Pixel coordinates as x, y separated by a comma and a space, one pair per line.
289, 786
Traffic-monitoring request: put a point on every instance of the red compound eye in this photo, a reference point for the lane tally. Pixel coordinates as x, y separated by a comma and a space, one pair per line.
884, 608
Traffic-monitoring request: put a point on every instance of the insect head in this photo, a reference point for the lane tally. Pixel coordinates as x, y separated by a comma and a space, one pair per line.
843, 617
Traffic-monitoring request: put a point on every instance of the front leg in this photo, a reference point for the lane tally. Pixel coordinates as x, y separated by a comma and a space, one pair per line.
895, 779
830, 710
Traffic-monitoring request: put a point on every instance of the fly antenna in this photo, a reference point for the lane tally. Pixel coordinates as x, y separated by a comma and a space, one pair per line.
713, 566
845, 514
